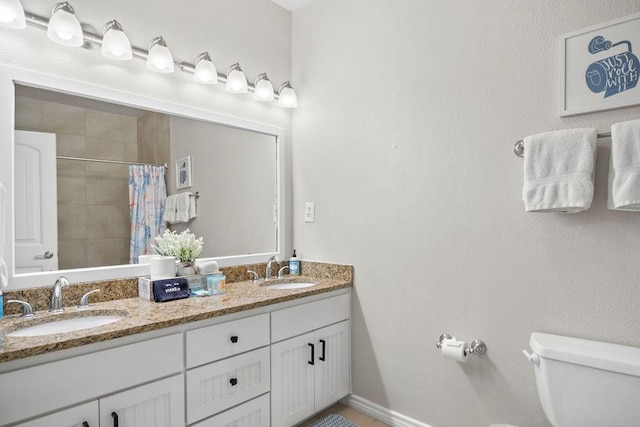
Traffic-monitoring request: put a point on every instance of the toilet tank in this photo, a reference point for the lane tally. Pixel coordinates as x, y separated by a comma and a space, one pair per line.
584, 383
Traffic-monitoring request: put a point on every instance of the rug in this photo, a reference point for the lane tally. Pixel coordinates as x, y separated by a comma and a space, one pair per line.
333, 420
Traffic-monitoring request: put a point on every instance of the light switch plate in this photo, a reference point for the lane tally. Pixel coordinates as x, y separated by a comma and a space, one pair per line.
310, 212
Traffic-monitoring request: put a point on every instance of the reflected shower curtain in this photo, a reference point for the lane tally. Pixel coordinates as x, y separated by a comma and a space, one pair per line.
147, 198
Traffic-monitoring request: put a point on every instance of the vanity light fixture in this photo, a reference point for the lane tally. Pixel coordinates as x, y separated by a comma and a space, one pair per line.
64, 28
159, 58
288, 97
236, 80
205, 72
263, 88
12, 14
115, 43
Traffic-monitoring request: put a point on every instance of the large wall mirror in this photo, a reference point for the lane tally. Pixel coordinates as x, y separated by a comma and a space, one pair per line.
71, 146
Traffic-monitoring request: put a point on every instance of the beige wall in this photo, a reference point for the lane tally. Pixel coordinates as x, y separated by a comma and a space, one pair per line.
93, 198
408, 113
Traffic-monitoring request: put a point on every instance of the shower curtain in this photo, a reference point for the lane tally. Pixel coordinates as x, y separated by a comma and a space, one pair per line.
147, 198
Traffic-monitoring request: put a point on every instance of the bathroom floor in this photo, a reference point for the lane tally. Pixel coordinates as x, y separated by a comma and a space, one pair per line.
351, 414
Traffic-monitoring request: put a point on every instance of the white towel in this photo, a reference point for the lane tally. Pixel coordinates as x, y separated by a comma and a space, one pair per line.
624, 167
170, 209
558, 170
4, 274
182, 207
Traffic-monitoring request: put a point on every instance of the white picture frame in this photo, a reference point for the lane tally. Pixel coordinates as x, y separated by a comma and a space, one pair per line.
183, 173
600, 69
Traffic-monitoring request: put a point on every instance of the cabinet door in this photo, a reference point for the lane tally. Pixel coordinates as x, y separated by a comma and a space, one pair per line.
159, 404
333, 363
72, 417
292, 380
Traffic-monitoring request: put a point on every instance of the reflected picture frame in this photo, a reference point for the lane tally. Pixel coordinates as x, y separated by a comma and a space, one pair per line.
183, 173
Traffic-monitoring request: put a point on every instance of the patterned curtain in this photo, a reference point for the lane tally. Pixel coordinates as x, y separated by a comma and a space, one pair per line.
147, 198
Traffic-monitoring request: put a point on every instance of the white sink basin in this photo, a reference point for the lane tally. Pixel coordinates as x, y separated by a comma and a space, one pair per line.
290, 285
66, 325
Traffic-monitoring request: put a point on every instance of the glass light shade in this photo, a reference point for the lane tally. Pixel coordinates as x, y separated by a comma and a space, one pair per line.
288, 97
115, 43
205, 72
263, 88
236, 80
160, 58
64, 28
12, 14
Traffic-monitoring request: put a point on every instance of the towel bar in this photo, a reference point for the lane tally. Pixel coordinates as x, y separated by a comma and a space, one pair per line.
518, 148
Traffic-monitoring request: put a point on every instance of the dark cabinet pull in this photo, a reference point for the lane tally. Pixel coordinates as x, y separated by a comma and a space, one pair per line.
233, 381
114, 415
85, 424
313, 357
324, 344
234, 339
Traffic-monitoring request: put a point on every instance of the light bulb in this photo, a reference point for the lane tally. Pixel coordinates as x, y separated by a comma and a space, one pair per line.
64, 28
263, 88
205, 72
160, 58
288, 97
236, 80
115, 43
12, 14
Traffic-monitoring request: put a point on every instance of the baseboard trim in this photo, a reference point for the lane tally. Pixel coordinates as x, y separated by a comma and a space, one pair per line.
381, 413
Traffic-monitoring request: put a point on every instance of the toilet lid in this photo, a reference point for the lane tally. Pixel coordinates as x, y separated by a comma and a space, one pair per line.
610, 357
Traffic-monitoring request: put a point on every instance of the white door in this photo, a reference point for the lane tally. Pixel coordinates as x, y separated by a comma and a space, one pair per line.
292, 366
333, 364
36, 210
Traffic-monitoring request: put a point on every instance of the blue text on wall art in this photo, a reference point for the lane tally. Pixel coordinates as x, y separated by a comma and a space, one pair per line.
614, 74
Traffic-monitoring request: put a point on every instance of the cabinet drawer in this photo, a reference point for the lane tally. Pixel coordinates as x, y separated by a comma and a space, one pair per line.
215, 387
254, 413
216, 342
303, 318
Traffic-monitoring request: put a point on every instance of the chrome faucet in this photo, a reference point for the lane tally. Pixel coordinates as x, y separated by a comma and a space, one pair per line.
56, 295
267, 273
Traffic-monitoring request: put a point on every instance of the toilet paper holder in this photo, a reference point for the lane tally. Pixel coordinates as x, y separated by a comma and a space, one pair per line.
476, 347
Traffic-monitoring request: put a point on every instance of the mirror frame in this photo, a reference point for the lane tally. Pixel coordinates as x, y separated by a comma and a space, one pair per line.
9, 77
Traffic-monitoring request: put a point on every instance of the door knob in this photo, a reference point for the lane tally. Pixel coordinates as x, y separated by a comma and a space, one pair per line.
46, 255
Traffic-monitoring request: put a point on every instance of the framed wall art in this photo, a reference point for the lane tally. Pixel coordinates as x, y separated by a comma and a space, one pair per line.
600, 67
183, 173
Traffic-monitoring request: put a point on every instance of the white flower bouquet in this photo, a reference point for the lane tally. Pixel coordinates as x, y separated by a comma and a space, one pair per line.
184, 246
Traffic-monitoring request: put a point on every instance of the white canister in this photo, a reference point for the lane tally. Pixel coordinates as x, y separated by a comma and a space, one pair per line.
146, 259
162, 267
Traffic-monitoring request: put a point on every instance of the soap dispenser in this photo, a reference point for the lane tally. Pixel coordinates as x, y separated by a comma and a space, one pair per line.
294, 264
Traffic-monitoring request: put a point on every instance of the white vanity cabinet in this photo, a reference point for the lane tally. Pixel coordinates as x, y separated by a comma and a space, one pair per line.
312, 370
227, 364
50, 386
272, 366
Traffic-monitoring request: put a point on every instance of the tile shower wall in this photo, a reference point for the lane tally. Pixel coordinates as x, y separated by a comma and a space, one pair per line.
154, 137
93, 199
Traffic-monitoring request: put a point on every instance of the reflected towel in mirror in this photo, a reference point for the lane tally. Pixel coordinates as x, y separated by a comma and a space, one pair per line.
180, 208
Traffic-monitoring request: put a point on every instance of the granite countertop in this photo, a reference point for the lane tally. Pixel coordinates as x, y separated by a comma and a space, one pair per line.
144, 316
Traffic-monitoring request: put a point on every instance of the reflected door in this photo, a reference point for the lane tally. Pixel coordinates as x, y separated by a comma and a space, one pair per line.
35, 201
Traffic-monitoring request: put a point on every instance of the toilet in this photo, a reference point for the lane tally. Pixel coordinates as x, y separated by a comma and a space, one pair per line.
584, 383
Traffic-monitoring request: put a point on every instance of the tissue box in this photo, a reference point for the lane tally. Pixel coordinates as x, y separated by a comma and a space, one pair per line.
145, 284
